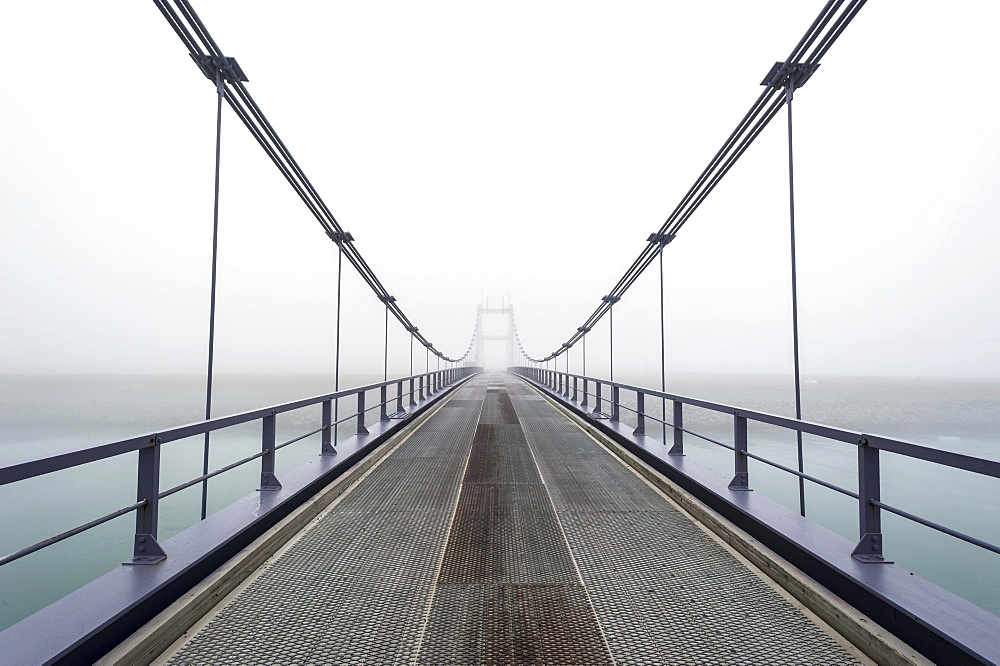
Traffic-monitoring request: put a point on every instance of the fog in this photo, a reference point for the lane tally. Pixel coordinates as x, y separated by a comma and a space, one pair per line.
519, 151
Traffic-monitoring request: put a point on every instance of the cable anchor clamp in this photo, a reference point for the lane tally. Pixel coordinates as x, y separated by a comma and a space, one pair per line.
211, 66
662, 239
792, 75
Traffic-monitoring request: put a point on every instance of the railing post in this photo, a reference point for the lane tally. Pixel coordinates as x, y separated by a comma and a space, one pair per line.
413, 396
640, 413
615, 401
585, 393
741, 479
597, 413
399, 397
421, 387
268, 481
383, 413
327, 448
145, 549
576, 388
870, 547
678, 448
362, 430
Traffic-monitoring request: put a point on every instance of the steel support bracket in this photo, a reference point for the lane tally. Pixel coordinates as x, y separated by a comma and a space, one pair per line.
781, 74
269, 481
869, 550
662, 239
741, 482
210, 67
339, 237
146, 550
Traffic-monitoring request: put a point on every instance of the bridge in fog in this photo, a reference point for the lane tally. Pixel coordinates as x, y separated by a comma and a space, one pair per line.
523, 514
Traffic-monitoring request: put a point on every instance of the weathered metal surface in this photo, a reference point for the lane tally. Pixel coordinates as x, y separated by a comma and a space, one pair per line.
664, 591
352, 589
485, 539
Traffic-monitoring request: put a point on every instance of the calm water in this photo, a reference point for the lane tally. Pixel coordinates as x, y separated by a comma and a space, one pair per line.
51, 414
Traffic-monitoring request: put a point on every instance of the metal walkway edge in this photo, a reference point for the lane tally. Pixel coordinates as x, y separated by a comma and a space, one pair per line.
497, 533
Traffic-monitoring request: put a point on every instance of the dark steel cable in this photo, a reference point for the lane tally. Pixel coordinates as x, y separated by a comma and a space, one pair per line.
215, 262
267, 137
611, 342
749, 128
336, 363
175, 22
241, 113
789, 93
385, 374
812, 33
663, 346
835, 32
727, 145
742, 148
199, 27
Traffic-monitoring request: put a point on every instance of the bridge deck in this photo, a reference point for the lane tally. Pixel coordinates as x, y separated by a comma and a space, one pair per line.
498, 533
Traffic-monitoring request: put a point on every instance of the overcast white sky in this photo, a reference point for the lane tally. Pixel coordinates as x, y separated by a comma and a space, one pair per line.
521, 148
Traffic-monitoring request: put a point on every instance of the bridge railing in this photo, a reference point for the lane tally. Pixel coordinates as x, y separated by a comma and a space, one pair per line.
396, 395
590, 394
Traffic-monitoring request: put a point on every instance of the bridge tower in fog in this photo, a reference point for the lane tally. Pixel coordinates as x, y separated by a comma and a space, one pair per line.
507, 310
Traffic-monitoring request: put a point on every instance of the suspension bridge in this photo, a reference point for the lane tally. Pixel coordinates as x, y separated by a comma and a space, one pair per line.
462, 516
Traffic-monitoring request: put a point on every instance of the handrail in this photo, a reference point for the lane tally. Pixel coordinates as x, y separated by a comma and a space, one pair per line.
54, 463
868, 549
147, 551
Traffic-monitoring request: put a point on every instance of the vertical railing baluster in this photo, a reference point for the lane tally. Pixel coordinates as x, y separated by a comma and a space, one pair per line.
576, 388
327, 448
145, 549
640, 413
615, 402
870, 547
421, 387
586, 391
597, 398
413, 396
362, 430
383, 413
268, 481
399, 397
741, 479
678, 448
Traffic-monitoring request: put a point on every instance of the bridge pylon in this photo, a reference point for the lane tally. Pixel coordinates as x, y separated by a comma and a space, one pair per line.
506, 309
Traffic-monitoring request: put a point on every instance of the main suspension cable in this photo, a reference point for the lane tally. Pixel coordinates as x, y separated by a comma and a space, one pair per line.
207, 54
820, 36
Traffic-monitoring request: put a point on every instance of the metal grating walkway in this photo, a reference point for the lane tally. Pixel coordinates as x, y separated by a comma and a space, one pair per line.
498, 533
